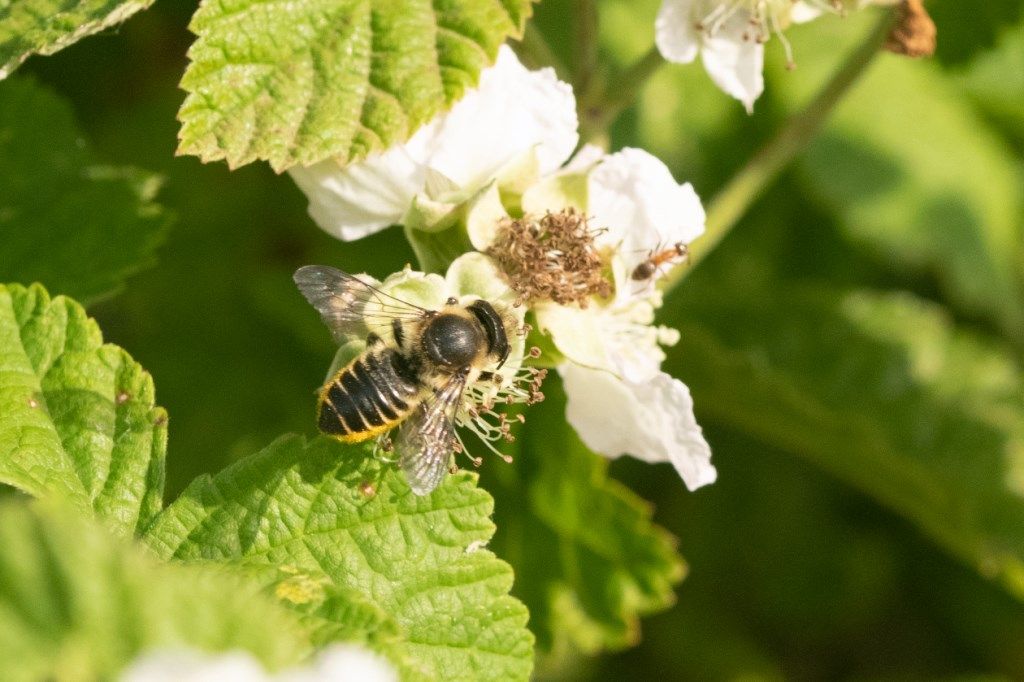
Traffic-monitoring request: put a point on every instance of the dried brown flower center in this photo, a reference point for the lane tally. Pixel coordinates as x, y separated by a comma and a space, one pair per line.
551, 257
914, 32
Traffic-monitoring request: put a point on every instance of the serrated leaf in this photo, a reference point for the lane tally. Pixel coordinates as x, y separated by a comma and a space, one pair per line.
77, 604
296, 83
305, 508
76, 226
30, 27
77, 417
893, 165
882, 391
589, 560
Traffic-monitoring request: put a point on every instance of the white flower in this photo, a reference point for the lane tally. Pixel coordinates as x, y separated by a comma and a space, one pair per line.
513, 113
651, 420
337, 663
619, 400
343, 663
729, 35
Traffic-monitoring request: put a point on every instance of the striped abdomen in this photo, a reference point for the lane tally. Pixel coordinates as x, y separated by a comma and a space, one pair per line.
372, 394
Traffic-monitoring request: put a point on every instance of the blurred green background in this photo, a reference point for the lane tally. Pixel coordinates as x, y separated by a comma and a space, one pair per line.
853, 347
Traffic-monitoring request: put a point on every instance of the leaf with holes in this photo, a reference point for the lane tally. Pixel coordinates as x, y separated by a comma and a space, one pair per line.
298, 82
30, 27
361, 556
77, 418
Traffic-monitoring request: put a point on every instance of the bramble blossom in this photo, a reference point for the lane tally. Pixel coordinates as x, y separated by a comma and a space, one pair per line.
337, 663
729, 36
512, 111
566, 236
619, 400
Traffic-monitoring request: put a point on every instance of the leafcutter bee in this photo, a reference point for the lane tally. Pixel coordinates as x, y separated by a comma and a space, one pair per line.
656, 258
413, 373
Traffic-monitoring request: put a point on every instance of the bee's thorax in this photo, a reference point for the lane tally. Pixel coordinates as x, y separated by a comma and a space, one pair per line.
453, 340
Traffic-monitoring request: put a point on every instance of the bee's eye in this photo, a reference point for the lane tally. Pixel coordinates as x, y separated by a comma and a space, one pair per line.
494, 328
452, 340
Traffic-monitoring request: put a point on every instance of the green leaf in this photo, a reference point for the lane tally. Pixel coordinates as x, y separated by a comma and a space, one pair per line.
392, 565
963, 35
296, 83
67, 221
30, 27
589, 561
994, 81
77, 419
894, 163
884, 392
76, 604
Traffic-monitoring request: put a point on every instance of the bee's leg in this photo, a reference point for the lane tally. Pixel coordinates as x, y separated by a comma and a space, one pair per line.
491, 376
384, 448
398, 332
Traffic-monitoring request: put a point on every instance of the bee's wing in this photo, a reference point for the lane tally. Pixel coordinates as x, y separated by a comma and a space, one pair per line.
347, 304
427, 438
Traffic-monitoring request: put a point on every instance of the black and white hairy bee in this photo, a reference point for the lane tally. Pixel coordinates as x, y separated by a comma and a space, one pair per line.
413, 373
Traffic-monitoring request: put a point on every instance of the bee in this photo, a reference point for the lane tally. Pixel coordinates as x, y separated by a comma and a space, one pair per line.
411, 375
656, 259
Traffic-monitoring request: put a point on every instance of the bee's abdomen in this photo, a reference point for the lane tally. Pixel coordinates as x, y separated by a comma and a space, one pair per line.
371, 395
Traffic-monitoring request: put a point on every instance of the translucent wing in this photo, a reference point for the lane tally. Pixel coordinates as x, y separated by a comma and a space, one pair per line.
347, 304
426, 440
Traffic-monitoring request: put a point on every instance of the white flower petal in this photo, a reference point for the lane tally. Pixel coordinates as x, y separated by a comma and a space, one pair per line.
565, 188
427, 290
583, 160
675, 32
195, 666
484, 214
475, 275
618, 338
343, 663
362, 198
802, 12
512, 111
337, 663
735, 60
633, 194
651, 420
576, 333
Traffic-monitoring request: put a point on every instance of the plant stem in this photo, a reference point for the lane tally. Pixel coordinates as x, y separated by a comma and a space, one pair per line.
535, 52
746, 186
586, 46
599, 109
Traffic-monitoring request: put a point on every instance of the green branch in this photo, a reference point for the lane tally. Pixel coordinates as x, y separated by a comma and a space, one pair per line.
746, 186
600, 107
586, 45
535, 53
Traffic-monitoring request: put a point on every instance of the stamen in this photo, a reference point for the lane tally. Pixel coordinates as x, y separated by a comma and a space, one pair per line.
551, 258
